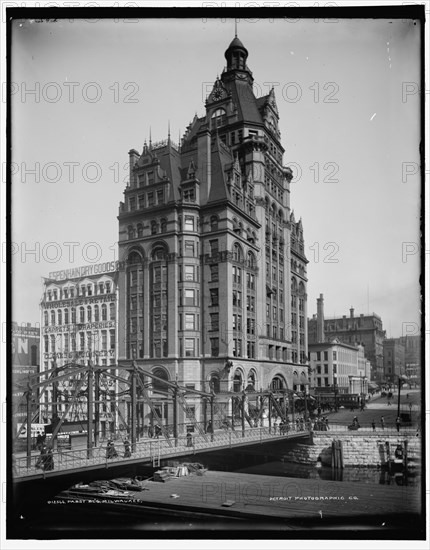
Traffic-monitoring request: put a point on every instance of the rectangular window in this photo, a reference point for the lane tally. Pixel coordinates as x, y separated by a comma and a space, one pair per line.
213, 247
150, 199
189, 297
275, 313
151, 179
82, 340
214, 347
189, 195
190, 347
66, 343
189, 223
160, 196
281, 315
214, 296
189, 321
215, 321
132, 203
237, 275
274, 273
250, 326
189, 273
189, 249
281, 334
237, 298
214, 273
250, 303
326, 356
325, 369
141, 200
237, 322
250, 349
318, 356
334, 356
237, 347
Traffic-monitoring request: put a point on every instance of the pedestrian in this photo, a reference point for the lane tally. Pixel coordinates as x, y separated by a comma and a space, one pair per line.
150, 432
189, 439
40, 463
326, 424
373, 425
209, 427
382, 422
275, 427
398, 423
49, 460
39, 441
127, 449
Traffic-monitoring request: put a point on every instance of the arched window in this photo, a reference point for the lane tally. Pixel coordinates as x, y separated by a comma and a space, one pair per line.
130, 231
214, 223
163, 225
278, 383
66, 316
112, 311
158, 385
252, 381
45, 318
214, 383
104, 312
52, 317
301, 288
218, 118
237, 381
82, 314
251, 260
60, 317
237, 253
89, 314
159, 253
96, 313
139, 230
73, 310
134, 258
153, 227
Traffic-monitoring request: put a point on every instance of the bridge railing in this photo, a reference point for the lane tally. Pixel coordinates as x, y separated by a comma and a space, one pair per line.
148, 449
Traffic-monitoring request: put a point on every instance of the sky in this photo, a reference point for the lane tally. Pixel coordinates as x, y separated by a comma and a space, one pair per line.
85, 93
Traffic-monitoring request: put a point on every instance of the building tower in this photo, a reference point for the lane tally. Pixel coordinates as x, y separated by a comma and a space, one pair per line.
214, 289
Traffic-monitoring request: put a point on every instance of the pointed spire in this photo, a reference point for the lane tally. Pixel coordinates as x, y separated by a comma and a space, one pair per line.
168, 132
150, 138
235, 27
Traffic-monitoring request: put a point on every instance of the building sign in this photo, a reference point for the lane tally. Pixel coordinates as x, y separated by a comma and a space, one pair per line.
25, 332
79, 354
77, 327
80, 301
87, 270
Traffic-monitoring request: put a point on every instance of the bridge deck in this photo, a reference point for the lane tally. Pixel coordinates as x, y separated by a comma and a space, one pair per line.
149, 450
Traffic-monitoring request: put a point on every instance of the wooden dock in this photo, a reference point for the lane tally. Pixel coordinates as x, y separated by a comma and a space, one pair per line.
259, 497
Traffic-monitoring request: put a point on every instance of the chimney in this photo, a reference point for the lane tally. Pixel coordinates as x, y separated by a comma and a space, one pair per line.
320, 319
351, 312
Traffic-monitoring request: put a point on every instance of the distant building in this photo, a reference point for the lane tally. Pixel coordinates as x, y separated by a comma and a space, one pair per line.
413, 345
339, 366
25, 362
365, 330
394, 359
78, 319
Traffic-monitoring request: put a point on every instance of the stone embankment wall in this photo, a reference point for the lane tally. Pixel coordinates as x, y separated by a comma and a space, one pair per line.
358, 450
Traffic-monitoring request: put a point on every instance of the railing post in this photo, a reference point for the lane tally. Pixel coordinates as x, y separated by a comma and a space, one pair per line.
29, 395
133, 390
175, 415
212, 417
90, 403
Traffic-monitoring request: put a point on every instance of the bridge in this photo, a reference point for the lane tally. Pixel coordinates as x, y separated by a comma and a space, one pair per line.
150, 451
181, 420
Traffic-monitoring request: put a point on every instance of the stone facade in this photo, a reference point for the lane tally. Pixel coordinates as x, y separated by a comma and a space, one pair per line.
358, 450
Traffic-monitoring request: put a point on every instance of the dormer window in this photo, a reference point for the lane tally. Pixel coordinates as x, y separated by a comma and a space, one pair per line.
219, 117
189, 195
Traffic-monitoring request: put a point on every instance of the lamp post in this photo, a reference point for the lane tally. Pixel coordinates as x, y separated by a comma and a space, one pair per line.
398, 395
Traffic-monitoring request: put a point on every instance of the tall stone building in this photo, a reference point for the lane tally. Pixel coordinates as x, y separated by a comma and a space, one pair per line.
394, 359
363, 329
214, 286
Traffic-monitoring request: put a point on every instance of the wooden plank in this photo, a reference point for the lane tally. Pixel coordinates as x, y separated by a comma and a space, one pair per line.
272, 497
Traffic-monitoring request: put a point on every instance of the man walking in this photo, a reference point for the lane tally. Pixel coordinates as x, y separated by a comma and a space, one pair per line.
398, 423
382, 422
373, 425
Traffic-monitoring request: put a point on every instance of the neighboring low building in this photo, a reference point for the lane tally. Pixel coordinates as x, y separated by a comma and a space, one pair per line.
340, 366
25, 362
